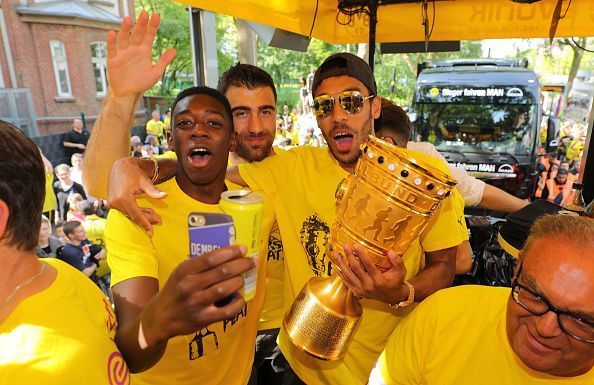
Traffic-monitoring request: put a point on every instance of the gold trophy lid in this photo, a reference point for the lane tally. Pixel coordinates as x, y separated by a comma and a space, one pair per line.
407, 157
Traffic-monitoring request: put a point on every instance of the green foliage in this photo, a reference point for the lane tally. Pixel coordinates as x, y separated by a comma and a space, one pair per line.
173, 33
226, 42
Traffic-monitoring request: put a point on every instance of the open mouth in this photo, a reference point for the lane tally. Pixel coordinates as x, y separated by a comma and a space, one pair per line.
343, 140
199, 157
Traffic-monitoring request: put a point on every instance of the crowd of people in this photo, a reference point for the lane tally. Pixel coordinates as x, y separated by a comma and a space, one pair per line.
557, 171
184, 320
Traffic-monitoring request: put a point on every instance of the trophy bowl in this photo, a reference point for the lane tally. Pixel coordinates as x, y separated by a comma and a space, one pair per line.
384, 205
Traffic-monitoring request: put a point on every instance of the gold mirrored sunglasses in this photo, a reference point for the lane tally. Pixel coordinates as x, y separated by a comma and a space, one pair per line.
350, 101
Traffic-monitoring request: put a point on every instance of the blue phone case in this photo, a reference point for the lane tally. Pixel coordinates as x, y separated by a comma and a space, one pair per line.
209, 231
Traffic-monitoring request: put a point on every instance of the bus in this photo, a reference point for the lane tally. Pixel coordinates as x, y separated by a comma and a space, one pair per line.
482, 115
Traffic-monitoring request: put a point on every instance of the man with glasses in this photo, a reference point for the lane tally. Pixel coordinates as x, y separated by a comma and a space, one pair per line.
541, 331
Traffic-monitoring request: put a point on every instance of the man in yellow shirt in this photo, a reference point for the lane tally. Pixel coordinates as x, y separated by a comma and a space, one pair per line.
155, 126
52, 317
252, 95
541, 331
170, 328
346, 104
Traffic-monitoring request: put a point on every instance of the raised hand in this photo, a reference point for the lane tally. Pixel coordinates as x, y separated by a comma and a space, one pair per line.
130, 68
363, 277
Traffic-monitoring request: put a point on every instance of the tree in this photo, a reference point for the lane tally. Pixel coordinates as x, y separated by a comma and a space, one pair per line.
578, 53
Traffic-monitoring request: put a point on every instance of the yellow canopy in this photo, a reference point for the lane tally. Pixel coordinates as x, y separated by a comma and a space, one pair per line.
454, 19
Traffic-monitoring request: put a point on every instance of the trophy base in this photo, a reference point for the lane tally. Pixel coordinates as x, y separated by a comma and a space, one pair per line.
323, 318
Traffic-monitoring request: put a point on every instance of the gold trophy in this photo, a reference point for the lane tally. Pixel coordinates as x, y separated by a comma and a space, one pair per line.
384, 205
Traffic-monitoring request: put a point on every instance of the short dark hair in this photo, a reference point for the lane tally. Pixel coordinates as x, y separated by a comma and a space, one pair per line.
70, 226
246, 75
22, 186
86, 207
202, 90
395, 121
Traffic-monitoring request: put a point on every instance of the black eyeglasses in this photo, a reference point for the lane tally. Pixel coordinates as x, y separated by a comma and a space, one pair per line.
571, 324
350, 101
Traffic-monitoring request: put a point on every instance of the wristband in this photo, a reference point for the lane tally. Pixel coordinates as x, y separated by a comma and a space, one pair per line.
409, 300
156, 169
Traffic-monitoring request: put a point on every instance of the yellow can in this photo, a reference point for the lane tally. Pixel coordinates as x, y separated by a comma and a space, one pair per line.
245, 207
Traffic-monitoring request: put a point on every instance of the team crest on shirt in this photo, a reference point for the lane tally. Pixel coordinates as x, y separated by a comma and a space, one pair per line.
313, 236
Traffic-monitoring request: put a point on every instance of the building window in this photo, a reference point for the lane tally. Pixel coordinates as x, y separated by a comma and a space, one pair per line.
98, 58
61, 68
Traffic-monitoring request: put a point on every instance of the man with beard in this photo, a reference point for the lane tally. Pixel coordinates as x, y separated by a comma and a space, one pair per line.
346, 106
252, 96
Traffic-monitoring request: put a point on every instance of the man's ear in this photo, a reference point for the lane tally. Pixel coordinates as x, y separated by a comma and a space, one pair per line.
376, 107
4, 215
170, 140
233, 142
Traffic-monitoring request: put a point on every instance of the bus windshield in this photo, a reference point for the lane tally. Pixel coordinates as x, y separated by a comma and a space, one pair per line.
476, 125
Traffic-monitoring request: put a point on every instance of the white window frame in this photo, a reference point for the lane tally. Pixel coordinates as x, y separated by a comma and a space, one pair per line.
56, 61
102, 62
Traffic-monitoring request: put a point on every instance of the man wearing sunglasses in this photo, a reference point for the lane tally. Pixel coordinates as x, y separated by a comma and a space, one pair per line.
346, 106
541, 331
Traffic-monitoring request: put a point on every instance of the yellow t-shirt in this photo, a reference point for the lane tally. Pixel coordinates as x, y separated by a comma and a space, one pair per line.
458, 337
95, 229
167, 124
458, 201
223, 352
168, 154
274, 300
49, 202
155, 127
302, 183
63, 335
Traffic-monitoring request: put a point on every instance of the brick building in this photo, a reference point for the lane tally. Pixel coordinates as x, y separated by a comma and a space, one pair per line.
52, 61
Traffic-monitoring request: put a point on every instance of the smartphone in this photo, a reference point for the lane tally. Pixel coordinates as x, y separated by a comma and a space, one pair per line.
208, 232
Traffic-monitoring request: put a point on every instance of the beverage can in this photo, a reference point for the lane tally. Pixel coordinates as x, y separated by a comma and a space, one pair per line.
245, 207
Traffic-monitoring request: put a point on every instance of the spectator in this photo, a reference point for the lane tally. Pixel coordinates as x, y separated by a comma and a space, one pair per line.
94, 225
167, 123
155, 126
63, 188
55, 326
77, 168
309, 81
49, 202
60, 234
48, 246
147, 151
497, 335
154, 143
304, 96
136, 146
76, 140
557, 188
74, 212
79, 252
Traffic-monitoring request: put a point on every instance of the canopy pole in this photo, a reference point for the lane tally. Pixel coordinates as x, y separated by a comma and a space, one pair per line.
373, 5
